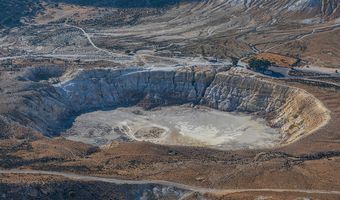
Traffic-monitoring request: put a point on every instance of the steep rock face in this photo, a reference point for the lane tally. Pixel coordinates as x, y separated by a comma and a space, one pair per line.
86, 90
292, 110
47, 108
284, 107
232, 92
330, 8
300, 114
37, 106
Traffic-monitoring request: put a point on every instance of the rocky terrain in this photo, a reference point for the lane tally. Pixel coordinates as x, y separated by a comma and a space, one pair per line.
13, 11
218, 29
61, 60
48, 106
57, 188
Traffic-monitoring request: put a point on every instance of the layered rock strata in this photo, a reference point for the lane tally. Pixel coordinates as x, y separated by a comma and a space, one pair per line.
47, 107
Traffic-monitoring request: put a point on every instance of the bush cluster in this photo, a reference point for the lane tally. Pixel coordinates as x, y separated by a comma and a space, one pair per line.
259, 65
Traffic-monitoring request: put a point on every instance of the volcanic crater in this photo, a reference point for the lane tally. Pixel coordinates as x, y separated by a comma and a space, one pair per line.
217, 107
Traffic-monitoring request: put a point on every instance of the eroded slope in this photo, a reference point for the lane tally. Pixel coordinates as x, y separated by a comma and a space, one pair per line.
48, 107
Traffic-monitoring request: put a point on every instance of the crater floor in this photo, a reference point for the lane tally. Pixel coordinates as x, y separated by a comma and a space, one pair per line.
174, 125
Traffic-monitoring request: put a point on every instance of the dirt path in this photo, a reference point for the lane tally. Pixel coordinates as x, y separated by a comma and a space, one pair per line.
89, 38
160, 182
302, 36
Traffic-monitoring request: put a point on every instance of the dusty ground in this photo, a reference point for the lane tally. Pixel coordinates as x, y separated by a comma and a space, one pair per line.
320, 49
311, 163
113, 37
269, 196
175, 125
56, 32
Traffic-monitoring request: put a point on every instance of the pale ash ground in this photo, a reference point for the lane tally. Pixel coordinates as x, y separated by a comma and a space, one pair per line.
175, 125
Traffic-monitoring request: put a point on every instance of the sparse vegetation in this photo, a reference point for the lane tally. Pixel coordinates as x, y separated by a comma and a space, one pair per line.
259, 65
234, 61
86, 88
280, 60
12, 11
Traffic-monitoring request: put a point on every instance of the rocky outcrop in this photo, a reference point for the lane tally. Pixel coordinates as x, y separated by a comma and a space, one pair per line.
48, 108
301, 114
232, 92
56, 188
330, 8
292, 110
86, 90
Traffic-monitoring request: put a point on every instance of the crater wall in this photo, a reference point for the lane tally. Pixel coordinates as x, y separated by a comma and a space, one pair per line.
294, 111
47, 107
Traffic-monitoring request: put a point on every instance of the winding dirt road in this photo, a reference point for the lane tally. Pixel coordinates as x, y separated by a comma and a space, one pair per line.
89, 38
164, 183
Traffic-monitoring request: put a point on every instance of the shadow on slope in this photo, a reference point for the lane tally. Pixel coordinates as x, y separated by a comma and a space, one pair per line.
11, 11
125, 3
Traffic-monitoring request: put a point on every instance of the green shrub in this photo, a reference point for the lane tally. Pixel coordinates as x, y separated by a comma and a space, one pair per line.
259, 65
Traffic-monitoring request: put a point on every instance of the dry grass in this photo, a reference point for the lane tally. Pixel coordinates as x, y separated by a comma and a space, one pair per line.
280, 60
